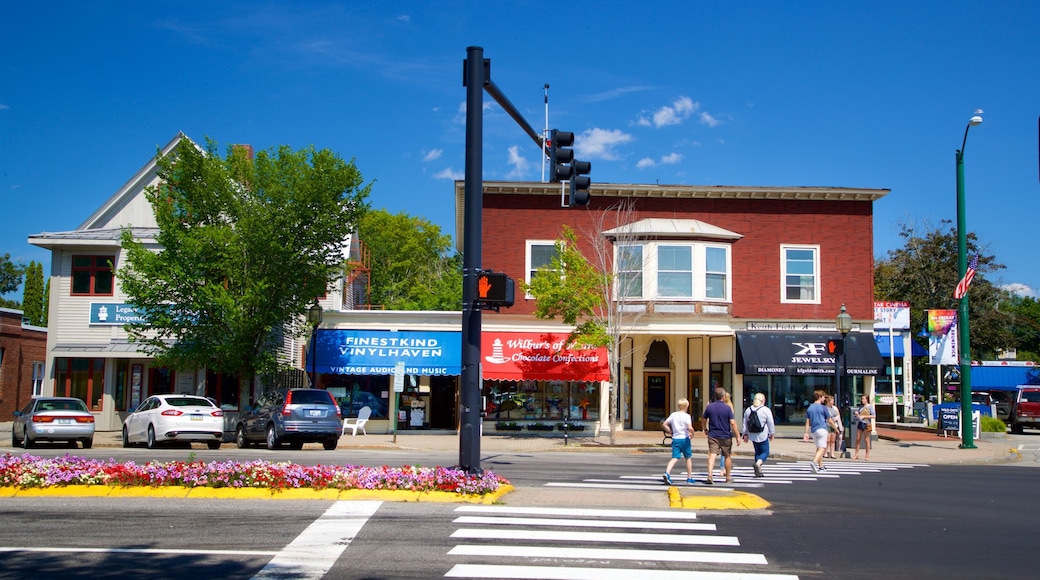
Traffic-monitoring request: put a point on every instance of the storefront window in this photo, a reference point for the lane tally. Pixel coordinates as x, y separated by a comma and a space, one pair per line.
222, 388
122, 380
356, 391
541, 400
82, 378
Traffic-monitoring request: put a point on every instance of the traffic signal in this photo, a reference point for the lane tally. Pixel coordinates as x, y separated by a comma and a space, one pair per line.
836, 346
560, 155
495, 289
580, 183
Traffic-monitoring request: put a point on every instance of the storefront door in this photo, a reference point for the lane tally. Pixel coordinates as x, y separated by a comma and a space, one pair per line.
656, 394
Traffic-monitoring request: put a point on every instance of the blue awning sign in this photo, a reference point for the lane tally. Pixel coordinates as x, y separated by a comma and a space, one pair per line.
377, 352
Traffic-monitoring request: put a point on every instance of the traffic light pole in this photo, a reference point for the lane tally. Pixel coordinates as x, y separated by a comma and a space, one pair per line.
476, 74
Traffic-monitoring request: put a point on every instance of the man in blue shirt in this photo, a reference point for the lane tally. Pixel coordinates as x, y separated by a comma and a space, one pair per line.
721, 428
817, 420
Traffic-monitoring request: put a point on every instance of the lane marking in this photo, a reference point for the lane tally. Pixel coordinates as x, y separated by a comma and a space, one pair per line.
311, 554
549, 573
578, 512
616, 537
606, 554
633, 524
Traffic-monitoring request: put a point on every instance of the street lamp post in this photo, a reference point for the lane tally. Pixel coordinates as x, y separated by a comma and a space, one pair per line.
843, 323
314, 314
967, 434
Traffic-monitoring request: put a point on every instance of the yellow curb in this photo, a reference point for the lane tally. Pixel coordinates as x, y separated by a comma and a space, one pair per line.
675, 499
730, 500
253, 493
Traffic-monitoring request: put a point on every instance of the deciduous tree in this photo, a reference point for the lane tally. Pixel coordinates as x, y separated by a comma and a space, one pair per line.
32, 295
244, 246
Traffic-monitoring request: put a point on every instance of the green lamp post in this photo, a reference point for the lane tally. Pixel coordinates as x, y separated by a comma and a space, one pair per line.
967, 431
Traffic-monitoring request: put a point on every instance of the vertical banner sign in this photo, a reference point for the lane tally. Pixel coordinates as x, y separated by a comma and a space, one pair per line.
942, 337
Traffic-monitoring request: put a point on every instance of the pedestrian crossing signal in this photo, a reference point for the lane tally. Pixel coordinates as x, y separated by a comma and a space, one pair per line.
836, 346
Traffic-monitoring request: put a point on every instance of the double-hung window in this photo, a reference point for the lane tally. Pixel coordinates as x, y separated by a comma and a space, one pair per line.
800, 274
675, 271
92, 275
630, 271
540, 255
716, 272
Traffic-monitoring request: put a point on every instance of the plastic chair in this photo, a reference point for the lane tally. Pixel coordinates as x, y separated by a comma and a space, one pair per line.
359, 422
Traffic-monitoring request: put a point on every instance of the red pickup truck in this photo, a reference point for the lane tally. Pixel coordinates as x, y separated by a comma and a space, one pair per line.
1026, 410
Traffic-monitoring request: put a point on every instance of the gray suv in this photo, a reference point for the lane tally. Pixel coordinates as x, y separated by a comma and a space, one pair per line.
292, 416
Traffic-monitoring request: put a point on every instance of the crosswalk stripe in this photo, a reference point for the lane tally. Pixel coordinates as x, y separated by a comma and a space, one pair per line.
607, 554
565, 573
578, 512
614, 537
584, 523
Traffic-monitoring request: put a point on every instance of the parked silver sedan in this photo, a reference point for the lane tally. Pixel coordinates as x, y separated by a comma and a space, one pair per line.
167, 418
63, 419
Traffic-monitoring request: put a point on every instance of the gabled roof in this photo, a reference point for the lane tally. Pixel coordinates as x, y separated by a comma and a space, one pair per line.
131, 189
661, 228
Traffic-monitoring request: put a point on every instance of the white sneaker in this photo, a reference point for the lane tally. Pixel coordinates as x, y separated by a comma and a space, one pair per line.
815, 469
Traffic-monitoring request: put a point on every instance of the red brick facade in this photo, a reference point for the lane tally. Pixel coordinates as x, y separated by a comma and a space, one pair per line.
839, 221
21, 347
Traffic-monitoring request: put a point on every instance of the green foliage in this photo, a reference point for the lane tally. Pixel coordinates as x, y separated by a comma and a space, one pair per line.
992, 425
33, 299
10, 274
572, 289
1024, 312
245, 247
413, 266
924, 273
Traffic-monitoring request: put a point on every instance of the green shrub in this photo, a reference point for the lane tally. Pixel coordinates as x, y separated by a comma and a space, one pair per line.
993, 425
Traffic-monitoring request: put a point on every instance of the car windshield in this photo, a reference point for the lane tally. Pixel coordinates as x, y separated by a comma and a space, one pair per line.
188, 402
1031, 396
311, 398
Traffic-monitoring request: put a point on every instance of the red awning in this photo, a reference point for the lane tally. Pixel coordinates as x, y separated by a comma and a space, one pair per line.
519, 356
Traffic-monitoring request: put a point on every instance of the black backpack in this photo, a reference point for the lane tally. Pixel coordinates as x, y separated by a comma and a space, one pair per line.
754, 422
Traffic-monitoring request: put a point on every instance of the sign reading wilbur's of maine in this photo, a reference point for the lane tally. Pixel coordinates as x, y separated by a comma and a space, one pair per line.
377, 352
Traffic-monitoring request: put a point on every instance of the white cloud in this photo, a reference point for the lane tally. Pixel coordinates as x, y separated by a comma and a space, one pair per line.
599, 144
433, 155
405, 18
670, 159
708, 120
449, 173
3, 106
1020, 289
519, 163
676, 113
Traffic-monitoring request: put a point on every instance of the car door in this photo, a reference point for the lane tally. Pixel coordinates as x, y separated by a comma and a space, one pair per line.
137, 422
254, 423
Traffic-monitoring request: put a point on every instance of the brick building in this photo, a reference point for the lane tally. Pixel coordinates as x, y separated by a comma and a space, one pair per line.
23, 350
737, 287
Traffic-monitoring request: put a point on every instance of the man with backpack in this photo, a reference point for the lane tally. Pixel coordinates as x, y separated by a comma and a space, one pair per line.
759, 428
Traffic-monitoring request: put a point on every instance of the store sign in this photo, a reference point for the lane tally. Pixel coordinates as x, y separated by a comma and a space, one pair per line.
894, 315
378, 352
540, 356
115, 313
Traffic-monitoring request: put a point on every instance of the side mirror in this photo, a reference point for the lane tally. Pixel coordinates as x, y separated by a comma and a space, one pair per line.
17, 413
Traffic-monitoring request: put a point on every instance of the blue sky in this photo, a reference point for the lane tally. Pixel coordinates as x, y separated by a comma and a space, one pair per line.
853, 94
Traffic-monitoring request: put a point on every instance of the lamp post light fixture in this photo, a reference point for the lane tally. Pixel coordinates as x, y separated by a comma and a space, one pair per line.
314, 315
843, 322
967, 431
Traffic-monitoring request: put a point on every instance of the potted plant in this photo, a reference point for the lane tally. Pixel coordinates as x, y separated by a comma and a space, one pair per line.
539, 427
507, 426
571, 426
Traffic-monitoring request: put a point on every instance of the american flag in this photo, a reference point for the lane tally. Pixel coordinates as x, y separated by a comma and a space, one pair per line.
962, 286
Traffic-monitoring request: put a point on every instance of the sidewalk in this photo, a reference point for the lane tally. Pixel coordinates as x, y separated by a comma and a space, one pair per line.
903, 445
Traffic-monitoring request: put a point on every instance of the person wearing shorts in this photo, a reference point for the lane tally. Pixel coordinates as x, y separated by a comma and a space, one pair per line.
679, 426
721, 427
817, 422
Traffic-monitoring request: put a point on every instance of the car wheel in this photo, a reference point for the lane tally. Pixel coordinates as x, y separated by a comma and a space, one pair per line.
151, 437
126, 438
272, 439
240, 437
15, 441
88, 443
26, 442
213, 444
1016, 428
330, 444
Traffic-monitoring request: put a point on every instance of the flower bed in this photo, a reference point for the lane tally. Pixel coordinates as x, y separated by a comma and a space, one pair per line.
28, 471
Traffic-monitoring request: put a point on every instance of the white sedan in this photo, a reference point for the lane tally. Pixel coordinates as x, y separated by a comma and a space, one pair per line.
165, 418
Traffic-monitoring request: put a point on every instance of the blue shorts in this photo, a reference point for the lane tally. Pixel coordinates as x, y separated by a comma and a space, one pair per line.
682, 448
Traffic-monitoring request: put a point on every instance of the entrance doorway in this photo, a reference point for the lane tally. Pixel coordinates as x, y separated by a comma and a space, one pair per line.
443, 402
657, 392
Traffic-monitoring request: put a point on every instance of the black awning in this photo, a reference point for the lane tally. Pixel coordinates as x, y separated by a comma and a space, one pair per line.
805, 353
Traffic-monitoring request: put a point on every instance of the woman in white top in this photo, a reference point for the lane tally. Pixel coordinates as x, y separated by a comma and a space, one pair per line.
761, 438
